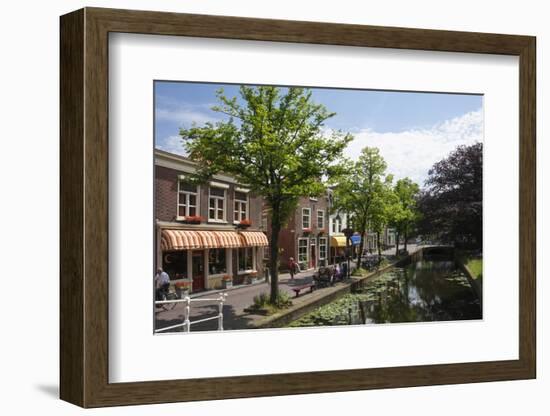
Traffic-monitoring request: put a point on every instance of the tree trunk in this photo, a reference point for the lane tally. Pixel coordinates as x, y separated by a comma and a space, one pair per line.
274, 258
397, 244
378, 244
405, 243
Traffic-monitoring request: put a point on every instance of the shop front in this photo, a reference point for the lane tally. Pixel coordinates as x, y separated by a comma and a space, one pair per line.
337, 248
207, 259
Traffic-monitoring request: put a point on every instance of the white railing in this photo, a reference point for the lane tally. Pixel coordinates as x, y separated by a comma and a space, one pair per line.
186, 324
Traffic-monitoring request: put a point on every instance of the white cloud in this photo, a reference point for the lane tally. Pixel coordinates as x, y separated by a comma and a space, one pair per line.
413, 152
185, 116
172, 144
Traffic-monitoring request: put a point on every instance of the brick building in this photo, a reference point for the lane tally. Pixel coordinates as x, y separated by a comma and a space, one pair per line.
305, 237
205, 233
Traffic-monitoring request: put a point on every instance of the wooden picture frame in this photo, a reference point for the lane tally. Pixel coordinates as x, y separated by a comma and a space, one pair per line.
84, 207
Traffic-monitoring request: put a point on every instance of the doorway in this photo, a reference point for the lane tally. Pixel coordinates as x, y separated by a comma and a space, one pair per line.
198, 271
313, 257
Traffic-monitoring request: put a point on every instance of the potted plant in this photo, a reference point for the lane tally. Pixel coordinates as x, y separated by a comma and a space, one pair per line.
306, 230
227, 281
193, 219
322, 231
252, 277
182, 288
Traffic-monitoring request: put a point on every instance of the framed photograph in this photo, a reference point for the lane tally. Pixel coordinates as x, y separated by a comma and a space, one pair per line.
255, 207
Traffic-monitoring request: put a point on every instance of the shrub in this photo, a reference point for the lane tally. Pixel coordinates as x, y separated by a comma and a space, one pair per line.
261, 301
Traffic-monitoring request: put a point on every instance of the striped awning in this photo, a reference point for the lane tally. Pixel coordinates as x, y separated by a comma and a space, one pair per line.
228, 239
254, 239
180, 240
192, 240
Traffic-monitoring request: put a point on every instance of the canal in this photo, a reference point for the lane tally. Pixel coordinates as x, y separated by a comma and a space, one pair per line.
432, 289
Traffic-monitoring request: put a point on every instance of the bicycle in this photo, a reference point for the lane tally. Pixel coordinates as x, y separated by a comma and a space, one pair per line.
167, 295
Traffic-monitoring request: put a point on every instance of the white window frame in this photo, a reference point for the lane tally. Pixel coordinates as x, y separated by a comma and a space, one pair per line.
186, 193
216, 208
323, 242
307, 250
322, 212
308, 218
241, 202
253, 252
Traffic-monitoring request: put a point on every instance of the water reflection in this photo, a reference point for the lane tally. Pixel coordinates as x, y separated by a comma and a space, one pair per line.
429, 290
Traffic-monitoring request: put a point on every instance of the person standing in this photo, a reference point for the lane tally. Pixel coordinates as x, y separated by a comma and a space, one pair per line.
162, 283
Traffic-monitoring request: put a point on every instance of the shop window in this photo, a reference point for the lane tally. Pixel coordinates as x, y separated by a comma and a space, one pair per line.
217, 261
245, 259
175, 264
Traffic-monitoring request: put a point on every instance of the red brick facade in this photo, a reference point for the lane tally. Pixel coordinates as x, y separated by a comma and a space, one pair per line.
168, 169
294, 232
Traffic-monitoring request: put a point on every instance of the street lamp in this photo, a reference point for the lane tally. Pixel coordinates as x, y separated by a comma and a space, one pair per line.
348, 232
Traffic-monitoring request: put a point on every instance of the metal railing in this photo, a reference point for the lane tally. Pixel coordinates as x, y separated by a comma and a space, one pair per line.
186, 324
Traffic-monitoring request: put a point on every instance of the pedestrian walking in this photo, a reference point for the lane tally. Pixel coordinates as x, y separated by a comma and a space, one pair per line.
292, 267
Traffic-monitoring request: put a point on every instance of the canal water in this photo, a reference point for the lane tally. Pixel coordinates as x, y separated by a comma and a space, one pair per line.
427, 290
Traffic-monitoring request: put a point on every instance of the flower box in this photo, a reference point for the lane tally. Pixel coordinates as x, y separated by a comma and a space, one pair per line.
244, 223
192, 219
306, 230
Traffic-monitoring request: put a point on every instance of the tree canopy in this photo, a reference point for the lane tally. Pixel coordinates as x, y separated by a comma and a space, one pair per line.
403, 212
273, 141
360, 190
451, 204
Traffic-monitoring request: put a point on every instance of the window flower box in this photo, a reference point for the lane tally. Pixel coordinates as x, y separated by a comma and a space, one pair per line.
322, 231
244, 223
192, 219
306, 230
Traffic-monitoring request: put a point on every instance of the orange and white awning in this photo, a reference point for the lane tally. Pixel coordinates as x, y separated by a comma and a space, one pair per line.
228, 239
193, 240
254, 239
180, 240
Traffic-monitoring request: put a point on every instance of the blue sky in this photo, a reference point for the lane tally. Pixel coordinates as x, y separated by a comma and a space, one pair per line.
413, 130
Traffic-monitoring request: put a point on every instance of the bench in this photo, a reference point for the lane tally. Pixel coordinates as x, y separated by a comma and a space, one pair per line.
298, 289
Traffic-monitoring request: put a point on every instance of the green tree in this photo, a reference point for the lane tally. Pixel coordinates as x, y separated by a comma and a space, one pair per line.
274, 143
383, 201
404, 212
452, 201
358, 190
